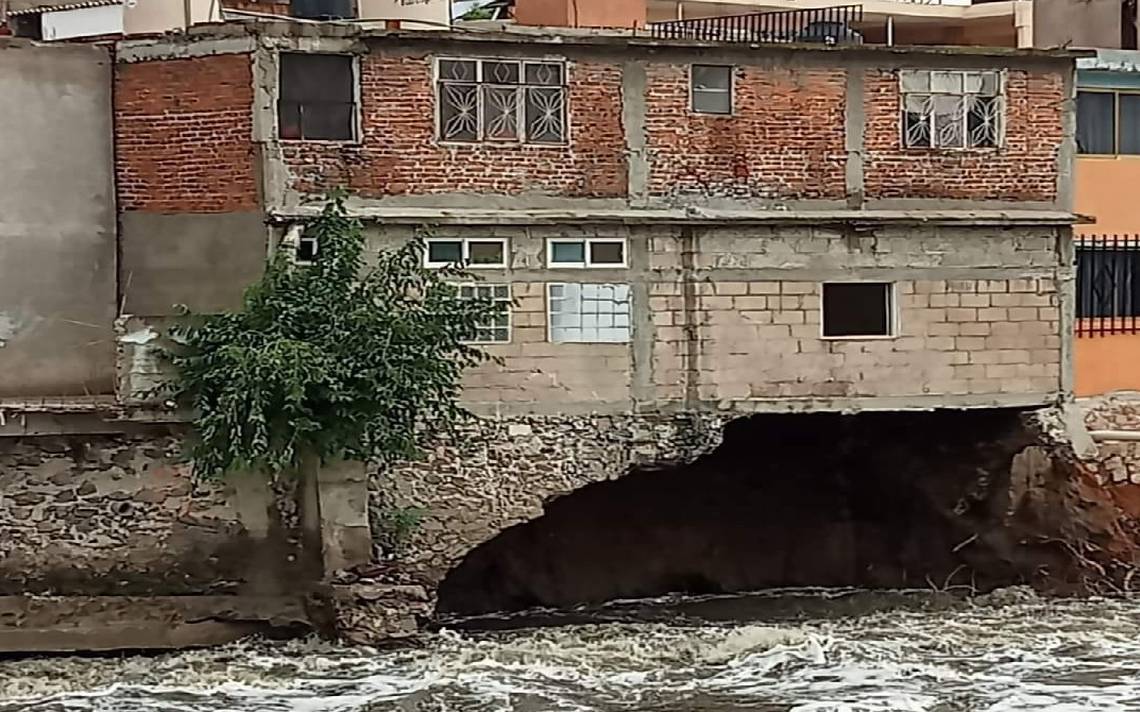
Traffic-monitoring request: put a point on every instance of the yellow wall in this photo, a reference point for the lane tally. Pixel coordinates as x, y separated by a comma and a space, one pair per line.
1108, 189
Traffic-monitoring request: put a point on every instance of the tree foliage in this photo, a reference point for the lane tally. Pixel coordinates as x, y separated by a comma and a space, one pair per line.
343, 358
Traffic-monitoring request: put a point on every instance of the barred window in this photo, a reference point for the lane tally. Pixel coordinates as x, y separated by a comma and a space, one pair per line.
588, 313
951, 109
497, 330
1108, 285
501, 100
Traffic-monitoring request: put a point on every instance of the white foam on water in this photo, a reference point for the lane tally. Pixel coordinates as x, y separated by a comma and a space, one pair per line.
1011, 653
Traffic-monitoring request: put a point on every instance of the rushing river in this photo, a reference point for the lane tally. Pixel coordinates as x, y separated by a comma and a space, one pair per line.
804, 651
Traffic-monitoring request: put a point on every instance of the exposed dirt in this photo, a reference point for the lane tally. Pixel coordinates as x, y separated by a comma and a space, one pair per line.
964, 501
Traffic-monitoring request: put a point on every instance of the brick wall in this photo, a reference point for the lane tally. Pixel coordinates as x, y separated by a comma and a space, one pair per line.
400, 155
184, 131
785, 138
1024, 168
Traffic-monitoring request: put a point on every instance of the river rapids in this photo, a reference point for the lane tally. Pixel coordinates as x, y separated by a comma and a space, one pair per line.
775, 652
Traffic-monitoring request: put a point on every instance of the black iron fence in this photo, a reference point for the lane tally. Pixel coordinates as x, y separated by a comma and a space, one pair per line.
828, 25
1108, 285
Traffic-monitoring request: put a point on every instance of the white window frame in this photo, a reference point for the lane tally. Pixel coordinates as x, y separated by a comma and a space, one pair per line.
999, 139
550, 314
892, 312
588, 263
465, 251
522, 129
731, 91
508, 301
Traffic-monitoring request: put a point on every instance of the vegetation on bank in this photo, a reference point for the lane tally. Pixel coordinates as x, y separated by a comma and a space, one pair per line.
357, 356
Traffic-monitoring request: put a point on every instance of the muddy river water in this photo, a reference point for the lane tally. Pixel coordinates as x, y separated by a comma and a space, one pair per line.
802, 651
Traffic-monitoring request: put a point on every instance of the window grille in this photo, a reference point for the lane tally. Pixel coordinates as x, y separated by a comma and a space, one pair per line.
951, 109
1108, 285
492, 100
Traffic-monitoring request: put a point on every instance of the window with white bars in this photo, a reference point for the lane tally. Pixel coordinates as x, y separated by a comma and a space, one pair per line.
588, 313
497, 329
501, 100
951, 109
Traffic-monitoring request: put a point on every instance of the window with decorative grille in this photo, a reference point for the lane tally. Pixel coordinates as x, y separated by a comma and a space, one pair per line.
1108, 285
951, 109
488, 100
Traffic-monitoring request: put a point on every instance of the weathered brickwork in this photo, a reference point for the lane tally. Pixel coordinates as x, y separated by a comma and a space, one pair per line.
1024, 168
183, 134
399, 153
784, 139
121, 515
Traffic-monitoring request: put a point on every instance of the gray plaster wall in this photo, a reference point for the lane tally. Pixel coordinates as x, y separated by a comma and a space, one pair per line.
1076, 23
204, 261
57, 221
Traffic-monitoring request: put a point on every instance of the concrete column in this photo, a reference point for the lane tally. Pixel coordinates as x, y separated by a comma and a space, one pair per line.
342, 494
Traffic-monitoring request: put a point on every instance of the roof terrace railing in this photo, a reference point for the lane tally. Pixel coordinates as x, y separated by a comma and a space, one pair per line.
827, 25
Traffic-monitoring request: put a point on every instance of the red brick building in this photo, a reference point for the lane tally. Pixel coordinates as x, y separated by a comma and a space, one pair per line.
738, 197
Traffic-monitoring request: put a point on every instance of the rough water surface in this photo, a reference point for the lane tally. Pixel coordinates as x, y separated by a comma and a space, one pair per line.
805, 651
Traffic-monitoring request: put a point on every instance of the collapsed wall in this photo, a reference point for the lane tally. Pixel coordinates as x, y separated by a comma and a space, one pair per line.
967, 500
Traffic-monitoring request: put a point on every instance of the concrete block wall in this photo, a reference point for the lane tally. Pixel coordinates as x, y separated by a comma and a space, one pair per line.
725, 318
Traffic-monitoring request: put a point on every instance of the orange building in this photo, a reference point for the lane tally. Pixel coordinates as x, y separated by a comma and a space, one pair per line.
1107, 188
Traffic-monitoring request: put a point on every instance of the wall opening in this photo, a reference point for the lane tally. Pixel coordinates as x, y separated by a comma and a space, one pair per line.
875, 500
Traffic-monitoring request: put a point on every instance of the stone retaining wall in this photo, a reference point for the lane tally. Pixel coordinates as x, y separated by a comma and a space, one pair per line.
1117, 462
120, 514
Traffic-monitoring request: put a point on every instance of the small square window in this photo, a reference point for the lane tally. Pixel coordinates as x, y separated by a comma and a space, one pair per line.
485, 252
607, 253
306, 249
571, 253
711, 89
445, 252
857, 309
474, 252
593, 252
317, 97
497, 329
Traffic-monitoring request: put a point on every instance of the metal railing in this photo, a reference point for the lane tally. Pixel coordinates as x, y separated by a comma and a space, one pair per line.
829, 25
1108, 285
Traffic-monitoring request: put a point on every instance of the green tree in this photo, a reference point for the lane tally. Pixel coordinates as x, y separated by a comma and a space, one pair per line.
345, 358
